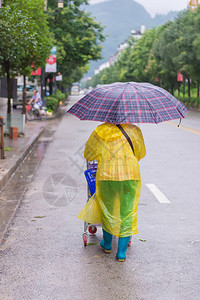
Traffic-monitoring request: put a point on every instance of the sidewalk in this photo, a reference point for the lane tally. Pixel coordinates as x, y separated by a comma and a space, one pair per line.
12, 187
19, 149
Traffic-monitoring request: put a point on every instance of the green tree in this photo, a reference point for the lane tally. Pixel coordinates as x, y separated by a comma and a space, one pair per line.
161, 53
139, 55
177, 49
132, 62
14, 34
38, 51
24, 40
165, 51
78, 38
188, 57
124, 64
196, 46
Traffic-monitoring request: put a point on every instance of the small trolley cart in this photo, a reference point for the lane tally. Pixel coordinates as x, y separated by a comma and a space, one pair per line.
90, 175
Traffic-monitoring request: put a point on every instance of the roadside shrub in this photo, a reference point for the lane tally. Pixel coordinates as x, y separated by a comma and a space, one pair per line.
191, 102
52, 103
59, 95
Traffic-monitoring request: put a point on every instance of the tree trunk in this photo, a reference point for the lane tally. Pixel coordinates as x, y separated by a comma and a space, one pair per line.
189, 87
184, 87
197, 88
50, 84
172, 89
9, 90
42, 83
24, 97
179, 85
55, 86
45, 91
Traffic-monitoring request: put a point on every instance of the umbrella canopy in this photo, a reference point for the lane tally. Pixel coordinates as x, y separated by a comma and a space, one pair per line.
129, 102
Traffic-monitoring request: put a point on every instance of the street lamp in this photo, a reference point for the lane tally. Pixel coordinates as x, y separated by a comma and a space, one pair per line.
60, 3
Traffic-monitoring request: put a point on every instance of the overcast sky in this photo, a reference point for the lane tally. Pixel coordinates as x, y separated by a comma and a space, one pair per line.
157, 6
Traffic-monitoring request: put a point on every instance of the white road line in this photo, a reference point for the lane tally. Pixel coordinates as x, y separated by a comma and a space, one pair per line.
157, 193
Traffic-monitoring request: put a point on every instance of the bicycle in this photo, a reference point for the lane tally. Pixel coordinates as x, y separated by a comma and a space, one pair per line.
32, 113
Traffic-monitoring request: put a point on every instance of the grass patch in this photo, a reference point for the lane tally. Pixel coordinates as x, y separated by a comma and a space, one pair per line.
7, 148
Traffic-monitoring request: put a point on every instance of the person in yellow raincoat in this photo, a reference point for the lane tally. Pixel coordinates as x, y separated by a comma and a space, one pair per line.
118, 183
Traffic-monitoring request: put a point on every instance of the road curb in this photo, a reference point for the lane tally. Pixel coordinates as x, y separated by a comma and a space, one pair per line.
16, 163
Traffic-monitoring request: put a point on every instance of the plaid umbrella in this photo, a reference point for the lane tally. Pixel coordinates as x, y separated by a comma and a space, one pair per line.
129, 102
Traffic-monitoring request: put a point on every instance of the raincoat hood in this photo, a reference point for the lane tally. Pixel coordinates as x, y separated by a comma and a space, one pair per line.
108, 132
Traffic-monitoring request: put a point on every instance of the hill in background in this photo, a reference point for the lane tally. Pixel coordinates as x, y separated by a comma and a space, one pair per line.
120, 17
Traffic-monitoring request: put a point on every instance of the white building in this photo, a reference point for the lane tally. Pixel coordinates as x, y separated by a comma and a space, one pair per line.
136, 34
102, 67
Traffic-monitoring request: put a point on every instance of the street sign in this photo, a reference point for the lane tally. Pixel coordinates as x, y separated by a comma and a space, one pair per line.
59, 77
51, 60
51, 65
179, 76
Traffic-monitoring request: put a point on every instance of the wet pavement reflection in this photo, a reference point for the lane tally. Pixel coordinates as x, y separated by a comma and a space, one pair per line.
16, 188
14, 119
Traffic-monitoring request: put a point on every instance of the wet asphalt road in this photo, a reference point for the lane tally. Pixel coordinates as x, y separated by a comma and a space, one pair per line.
44, 257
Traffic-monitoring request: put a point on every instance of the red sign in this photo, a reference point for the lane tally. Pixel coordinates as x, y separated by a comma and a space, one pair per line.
179, 76
51, 80
51, 60
37, 72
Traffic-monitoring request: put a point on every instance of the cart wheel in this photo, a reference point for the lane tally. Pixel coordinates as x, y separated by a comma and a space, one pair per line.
129, 244
92, 229
85, 240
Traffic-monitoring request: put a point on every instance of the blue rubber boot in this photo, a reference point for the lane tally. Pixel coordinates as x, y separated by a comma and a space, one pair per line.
106, 243
122, 248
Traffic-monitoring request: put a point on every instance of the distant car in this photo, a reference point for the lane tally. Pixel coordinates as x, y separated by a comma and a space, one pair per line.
81, 92
29, 94
75, 90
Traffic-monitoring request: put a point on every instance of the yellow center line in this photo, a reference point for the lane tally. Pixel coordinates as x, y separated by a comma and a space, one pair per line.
193, 130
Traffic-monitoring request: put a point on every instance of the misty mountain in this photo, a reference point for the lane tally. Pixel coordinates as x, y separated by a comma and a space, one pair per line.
120, 17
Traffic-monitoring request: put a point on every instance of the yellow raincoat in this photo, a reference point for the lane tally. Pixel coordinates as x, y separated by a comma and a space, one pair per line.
118, 182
